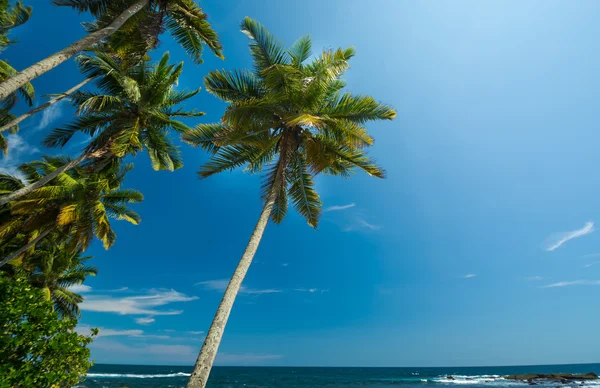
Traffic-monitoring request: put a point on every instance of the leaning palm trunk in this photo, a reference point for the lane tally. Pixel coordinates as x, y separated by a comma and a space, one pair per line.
209, 349
24, 249
21, 78
44, 106
45, 179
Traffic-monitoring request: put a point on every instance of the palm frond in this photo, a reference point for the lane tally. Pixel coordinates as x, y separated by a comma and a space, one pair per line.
265, 49
300, 50
301, 191
233, 85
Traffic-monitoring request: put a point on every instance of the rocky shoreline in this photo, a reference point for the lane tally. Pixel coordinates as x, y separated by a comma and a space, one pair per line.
564, 378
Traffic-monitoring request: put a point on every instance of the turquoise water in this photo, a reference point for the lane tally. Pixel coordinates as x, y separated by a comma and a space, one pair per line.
145, 376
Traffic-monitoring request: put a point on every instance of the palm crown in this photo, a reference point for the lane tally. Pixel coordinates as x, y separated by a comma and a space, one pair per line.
184, 20
135, 109
292, 116
54, 268
78, 204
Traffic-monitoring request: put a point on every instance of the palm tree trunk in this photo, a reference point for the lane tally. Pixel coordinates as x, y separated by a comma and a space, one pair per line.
21, 78
209, 349
45, 179
20, 251
44, 106
207, 355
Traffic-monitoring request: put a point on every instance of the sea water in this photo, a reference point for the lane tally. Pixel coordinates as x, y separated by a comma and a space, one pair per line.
145, 376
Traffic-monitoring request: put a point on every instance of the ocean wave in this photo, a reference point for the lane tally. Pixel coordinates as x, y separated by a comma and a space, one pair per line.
134, 376
470, 380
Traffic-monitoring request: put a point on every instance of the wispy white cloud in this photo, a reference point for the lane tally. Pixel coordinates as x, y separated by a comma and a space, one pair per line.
368, 225
469, 275
171, 353
590, 264
221, 285
133, 333
136, 305
359, 223
311, 290
102, 332
560, 238
338, 207
574, 283
79, 288
145, 320
111, 349
51, 114
19, 151
195, 332
285, 264
533, 278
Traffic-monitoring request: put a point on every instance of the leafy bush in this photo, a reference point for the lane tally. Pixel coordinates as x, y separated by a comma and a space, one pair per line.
37, 348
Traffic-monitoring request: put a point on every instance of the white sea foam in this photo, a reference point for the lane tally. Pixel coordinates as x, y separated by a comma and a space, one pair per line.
133, 376
470, 380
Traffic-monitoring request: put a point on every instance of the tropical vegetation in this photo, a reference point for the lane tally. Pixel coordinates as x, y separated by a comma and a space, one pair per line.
289, 119
38, 347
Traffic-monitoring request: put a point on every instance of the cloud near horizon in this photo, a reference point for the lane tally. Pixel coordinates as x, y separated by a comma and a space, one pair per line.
470, 275
560, 238
79, 288
136, 305
109, 350
221, 285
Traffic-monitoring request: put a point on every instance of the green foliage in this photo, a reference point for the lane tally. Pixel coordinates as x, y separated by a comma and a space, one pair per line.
183, 19
39, 349
289, 118
77, 204
11, 17
53, 267
134, 111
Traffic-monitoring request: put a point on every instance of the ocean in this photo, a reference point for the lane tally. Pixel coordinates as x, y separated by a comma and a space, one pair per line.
146, 376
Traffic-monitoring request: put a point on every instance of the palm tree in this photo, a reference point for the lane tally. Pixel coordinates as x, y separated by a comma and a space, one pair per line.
135, 110
291, 119
55, 268
79, 204
133, 27
11, 17
14, 121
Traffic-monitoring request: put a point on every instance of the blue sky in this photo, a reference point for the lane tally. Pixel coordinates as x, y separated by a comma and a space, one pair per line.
478, 249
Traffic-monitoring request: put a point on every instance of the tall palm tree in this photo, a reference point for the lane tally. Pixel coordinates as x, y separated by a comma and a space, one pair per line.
55, 268
135, 110
79, 204
291, 119
11, 17
133, 26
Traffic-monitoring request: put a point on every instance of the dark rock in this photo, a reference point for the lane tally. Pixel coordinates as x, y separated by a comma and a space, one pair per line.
450, 377
564, 378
